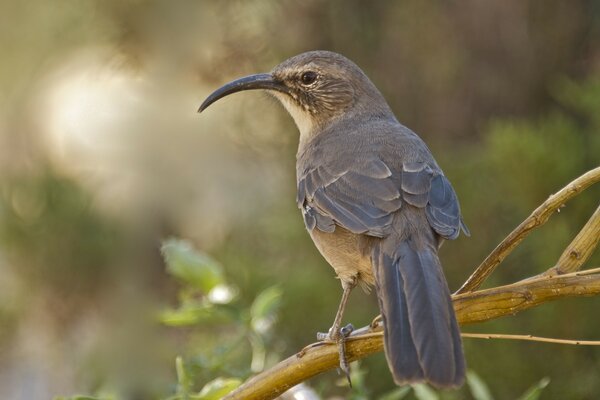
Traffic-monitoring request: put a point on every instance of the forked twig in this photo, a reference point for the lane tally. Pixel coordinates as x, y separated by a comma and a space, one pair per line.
580, 249
537, 218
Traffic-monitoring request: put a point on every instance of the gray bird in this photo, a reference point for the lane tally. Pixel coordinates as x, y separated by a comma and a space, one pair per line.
376, 205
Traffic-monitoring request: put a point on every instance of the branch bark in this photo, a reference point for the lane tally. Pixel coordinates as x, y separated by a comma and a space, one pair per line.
580, 249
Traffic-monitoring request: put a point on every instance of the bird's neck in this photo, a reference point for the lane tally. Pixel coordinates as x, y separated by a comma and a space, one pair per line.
303, 119
370, 106
343, 124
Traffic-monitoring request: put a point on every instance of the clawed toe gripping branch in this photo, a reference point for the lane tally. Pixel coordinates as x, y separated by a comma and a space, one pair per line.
564, 279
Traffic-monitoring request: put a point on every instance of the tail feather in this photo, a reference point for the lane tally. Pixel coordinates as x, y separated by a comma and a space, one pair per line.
422, 339
400, 349
460, 366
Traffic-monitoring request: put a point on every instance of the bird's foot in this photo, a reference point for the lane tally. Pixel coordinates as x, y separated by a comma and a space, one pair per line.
325, 337
339, 338
329, 338
345, 332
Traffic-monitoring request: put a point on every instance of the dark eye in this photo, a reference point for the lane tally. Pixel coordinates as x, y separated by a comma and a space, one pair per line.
308, 77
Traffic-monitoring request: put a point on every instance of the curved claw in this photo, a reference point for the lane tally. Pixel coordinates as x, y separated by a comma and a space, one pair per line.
377, 322
344, 333
339, 337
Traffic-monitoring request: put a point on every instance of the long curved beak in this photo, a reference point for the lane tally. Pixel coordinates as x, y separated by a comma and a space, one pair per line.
258, 81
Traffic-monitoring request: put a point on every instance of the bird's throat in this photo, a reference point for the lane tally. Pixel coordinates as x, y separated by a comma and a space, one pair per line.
303, 118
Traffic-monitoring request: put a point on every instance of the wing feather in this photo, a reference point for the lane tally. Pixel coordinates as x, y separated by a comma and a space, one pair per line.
363, 197
361, 200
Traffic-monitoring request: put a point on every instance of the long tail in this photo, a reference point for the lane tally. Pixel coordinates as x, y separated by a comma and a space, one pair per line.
422, 339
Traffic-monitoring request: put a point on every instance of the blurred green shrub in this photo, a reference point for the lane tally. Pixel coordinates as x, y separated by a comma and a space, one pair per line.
51, 230
227, 338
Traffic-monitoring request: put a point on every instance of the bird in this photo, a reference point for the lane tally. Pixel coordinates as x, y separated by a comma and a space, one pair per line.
376, 205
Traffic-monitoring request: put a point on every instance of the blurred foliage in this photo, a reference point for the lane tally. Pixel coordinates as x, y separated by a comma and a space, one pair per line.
102, 155
82, 398
235, 337
49, 228
197, 270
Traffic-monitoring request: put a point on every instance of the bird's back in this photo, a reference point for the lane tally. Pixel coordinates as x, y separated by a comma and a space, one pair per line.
348, 142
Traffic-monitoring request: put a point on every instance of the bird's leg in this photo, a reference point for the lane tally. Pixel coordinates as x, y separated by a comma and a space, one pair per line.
338, 334
334, 332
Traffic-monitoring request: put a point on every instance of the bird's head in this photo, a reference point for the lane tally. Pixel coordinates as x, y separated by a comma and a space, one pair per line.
316, 88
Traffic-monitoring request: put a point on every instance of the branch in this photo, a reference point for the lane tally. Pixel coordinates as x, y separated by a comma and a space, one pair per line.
536, 219
488, 304
580, 249
470, 307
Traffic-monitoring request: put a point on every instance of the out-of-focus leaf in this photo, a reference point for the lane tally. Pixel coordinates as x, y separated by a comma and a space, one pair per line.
479, 390
216, 389
222, 294
191, 266
183, 381
193, 314
78, 397
264, 307
259, 353
396, 394
534, 392
424, 392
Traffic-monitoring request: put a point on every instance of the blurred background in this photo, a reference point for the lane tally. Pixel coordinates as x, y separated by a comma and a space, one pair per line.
103, 157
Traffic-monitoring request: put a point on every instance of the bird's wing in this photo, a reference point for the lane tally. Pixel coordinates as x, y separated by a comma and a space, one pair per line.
361, 198
425, 187
364, 197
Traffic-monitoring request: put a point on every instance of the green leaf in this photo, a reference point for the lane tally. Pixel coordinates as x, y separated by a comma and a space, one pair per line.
264, 307
216, 389
535, 391
183, 381
191, 266
222, 294
396, 394
424, 392
259, 352
479, 390
81, 397
189, 314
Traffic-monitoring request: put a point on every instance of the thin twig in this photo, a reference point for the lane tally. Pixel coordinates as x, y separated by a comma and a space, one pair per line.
586, 272
537, 218
530, 338
580, 249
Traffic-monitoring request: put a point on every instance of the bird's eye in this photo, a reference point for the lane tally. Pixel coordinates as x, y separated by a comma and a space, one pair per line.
308, 77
